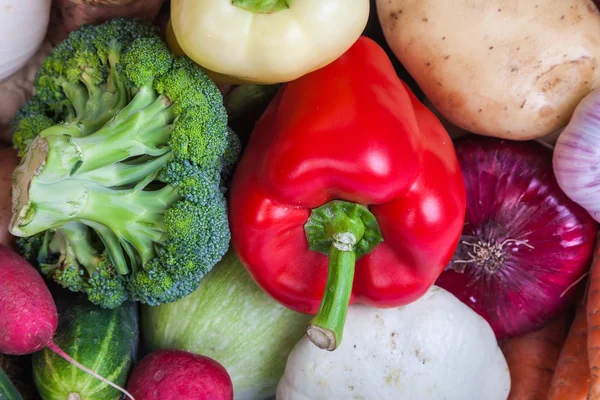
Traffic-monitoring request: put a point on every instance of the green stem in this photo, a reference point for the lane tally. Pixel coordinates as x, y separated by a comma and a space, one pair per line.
325, 329
345, 232
133, 132
246, 97
141, 133
77, 239
262, 6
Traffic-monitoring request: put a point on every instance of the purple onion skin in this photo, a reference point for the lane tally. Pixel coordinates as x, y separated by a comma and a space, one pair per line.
524, 243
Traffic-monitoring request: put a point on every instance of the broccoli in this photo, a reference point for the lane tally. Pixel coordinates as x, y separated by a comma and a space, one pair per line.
125, 152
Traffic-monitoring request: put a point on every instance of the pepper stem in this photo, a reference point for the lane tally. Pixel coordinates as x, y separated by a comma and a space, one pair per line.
345, 232
262, 6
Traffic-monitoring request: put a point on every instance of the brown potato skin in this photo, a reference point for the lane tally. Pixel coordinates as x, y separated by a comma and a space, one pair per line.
105, 3
68, 15
504, 68
8, 162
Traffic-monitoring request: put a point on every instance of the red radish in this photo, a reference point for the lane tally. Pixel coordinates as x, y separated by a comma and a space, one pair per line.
178, 374
524, 245
28, 316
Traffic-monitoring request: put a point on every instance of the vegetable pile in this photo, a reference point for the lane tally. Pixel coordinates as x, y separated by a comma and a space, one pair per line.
132, 144
300, 200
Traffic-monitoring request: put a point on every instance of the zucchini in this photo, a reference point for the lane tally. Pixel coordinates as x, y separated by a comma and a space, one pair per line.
101, 339
7, 389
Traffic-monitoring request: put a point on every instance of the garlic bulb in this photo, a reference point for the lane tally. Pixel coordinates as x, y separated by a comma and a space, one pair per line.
23, 25
577, 155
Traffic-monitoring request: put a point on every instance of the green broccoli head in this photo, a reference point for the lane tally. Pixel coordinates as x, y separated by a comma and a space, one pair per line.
125, 148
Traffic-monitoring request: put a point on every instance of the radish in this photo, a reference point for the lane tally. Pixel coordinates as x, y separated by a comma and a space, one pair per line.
28, 316
178, 374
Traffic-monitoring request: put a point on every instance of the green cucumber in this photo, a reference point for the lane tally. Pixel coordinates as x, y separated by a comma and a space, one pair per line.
101, 339
7, 389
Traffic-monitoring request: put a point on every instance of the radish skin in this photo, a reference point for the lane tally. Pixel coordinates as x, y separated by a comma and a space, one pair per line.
28, 315
178, 374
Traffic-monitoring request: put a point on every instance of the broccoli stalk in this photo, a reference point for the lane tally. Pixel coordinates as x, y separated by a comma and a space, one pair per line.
80, 267
124, 154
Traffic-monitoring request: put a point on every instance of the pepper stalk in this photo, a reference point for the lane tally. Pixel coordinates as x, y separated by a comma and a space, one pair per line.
262, 6
345, 232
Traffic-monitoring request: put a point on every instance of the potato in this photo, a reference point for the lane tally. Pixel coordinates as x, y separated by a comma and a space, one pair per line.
68, 15
514, 69
8, 163
454, 131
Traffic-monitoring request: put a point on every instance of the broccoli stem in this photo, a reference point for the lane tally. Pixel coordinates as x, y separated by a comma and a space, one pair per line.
142, 128
144, 132
98, 180
73, 239
131, 218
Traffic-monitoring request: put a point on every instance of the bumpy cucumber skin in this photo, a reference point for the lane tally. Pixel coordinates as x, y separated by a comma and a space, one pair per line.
7, 389
103, 340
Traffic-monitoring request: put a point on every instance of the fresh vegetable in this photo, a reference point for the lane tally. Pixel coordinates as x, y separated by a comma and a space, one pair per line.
28, 315
28, 18
7, 390
593, 321
524, 245
576, 153
571, 379
8, 163
120, 191
16, 90
245, 104
266, 41
369, 174
428, 350
177, 374
106, 339
514, 69
231, 320
69, 15
27, 312
532, 359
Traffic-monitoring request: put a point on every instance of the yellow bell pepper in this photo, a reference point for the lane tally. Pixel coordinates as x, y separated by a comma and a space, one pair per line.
217, 78
266, 41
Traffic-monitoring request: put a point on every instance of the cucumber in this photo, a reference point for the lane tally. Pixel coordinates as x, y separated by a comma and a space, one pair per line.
7, 389
101, 339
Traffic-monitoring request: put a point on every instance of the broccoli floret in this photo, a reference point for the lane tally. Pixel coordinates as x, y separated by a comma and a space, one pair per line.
125, 155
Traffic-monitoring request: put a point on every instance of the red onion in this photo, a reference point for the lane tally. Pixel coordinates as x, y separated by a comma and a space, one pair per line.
524, 244
576, 157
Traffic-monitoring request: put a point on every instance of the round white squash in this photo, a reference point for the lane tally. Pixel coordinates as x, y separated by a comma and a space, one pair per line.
435, 348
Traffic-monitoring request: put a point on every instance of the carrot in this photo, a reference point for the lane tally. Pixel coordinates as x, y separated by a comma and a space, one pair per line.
571, 380
531, 360
593, 322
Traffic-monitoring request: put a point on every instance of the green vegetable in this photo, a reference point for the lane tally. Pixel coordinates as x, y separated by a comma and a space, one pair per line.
7, 389
230, 319
101, 339
125, 151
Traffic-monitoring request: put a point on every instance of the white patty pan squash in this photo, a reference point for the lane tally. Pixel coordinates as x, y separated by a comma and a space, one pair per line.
435, 348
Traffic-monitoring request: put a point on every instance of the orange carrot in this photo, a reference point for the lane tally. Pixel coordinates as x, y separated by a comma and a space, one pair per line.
571, 380
531, 361
593, 322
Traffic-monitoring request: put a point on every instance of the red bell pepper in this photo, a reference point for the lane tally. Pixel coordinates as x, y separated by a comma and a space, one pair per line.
346, 167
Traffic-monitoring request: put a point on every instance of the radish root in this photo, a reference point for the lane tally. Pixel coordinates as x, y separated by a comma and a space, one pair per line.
52, 346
